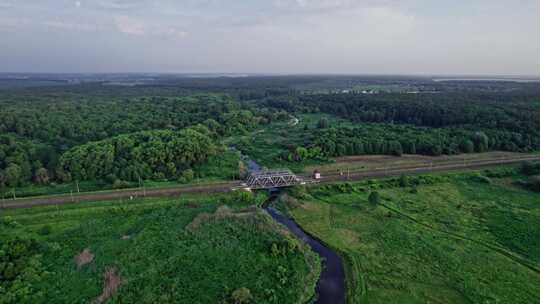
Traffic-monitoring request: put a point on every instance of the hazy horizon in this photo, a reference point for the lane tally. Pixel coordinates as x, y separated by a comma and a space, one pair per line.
276, 37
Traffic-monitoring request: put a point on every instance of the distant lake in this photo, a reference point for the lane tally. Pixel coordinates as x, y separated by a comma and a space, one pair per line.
488, 79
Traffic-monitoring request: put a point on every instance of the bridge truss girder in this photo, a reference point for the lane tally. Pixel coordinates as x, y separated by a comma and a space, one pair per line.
272, 179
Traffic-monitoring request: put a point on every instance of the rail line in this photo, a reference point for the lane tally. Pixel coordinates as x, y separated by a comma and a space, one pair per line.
229, 186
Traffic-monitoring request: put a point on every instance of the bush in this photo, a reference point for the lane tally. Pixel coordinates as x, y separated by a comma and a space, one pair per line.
45, 230
403, 181
534, 183
374, 198
120, 184
188, 174
529, 168
242, 296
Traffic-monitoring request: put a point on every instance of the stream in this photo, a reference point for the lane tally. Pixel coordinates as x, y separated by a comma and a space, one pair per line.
330, 287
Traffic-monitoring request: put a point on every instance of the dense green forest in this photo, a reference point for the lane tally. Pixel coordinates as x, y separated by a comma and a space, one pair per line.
54, 134
43, 136
431, 124
143, 155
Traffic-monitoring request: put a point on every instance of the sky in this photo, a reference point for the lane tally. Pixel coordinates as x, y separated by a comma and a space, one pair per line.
474, 37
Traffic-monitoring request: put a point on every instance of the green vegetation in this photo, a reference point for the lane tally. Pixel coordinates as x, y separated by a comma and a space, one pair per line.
62, 137
189, 250
281, 144
442, 238
145, 155
434, 123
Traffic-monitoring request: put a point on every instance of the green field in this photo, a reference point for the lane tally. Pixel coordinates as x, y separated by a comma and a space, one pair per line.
460, 238
178, 250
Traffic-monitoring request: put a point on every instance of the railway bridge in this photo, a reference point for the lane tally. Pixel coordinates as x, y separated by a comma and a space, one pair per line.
269, 179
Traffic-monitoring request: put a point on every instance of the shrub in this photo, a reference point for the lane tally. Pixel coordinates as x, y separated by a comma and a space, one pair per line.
188, 175
120, 184
45, 230
403, 181
374, 198
529, 168
534, 183
242, 296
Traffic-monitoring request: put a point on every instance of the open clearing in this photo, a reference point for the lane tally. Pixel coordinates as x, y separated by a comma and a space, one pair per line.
451, 238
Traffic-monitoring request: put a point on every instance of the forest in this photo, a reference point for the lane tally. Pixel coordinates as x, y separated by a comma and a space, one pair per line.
56, 137
94, 131
430, 124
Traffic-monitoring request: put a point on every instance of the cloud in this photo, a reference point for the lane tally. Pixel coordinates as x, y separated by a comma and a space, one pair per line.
129, 25
122, 4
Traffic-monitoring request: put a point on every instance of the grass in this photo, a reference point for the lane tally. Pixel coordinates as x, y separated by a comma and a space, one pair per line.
455, 239
158, 259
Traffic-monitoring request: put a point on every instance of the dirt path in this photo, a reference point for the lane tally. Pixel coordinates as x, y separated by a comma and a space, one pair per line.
228, 186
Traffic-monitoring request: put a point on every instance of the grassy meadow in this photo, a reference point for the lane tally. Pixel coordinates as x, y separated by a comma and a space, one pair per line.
178, 250
456, 238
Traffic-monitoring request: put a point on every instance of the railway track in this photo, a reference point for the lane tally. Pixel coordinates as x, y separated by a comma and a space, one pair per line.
229, 186
434, 167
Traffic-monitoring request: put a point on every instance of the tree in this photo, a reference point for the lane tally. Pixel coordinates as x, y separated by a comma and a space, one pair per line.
41, 176
13, 175
3, 179
396, 148
374, 198
481, 141
467, 146
242, 170
300, 153
242, 296
188, 175
323, 123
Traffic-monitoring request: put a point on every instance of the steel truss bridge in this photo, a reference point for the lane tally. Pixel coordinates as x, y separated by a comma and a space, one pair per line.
272, 179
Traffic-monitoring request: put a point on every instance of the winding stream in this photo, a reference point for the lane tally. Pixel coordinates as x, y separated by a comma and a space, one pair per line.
330, 287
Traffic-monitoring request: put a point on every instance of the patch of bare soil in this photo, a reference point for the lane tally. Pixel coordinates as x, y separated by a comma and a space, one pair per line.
83, 258
221, 213
112, 282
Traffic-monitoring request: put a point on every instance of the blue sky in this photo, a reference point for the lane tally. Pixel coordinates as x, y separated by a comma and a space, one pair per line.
271, 36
